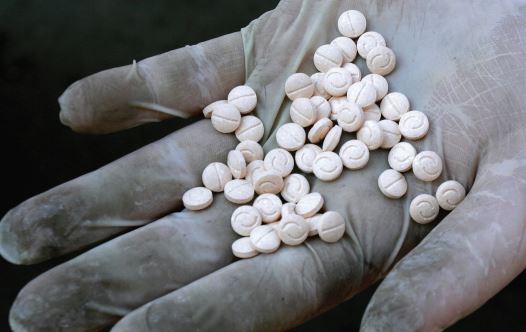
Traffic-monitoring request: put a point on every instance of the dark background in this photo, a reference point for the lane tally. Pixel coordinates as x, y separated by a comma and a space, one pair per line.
47, 45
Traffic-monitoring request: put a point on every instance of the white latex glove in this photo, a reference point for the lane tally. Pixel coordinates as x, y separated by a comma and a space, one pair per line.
459, 62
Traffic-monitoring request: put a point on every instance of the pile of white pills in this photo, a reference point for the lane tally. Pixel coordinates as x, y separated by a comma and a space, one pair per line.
334, 100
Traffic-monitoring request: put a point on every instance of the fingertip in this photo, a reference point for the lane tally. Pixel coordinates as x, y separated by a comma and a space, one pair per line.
9, 249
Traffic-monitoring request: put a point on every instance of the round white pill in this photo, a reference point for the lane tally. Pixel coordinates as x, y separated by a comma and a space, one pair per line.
299, 85
352, 23
269, 206
327, 57
305, 157
288, 208
401, 157
372, 113
394, 105
319, 88
197, 198
265, 239
313, 222
208, 110
319, 130
226, 118
337, 81
242, 248
279, 160
237, 164
293, 229
414, 125
424, 208
215, 176
239, 191
331, 226
309, 205
347, 47
267, 182
354, 154
327, 166
371, 134
449, 194
253, 168
354, 70
381, 60
332, 139
379, 83
368, 41
362, 93
244, 219
336, 105
250, 129
302, 112
251, 151
392, 183
391, 133
427, 166
295, 187
321, 107
350, 117
244, 98
291, 136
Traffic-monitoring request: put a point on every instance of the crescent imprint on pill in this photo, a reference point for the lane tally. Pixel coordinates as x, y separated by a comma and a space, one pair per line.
321, 107
347, 47
291, 136
302, 112
327, 166
354, 70
239, 191
362, 93
332, 138
427, 165
269, 207
244, 219
244, 98
424, 208
354, 154
293, 229
368, 41
250, 129
309, 205
350, 117
391, 133
267, 182
265, 239
394, 105
242, 248
251, 151
401, 157
331, 226
337, 81
226, 118
450, 194
392, 183
381, 60
352, 23
414, 125
295, 187
372, 113
371, 135
197, 198
327, 57
299, 85
215, 176
237, 164
208, 110
305, 157
253, 167
319, 130
380, 85
319, 89
279, 160
313, 222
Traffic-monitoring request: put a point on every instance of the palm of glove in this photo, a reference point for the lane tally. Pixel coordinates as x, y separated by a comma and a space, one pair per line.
464, 75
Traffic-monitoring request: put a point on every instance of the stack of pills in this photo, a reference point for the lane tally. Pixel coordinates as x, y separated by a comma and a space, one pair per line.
324, 105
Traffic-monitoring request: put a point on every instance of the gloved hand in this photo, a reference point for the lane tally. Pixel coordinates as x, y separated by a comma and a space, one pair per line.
459, 62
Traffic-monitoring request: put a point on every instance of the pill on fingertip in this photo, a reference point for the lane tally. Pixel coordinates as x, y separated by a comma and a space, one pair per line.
327, 166
450, 194
331, 226
337, 81
226, 118
250, 129
327, 57
215, 176
295, 186
244, 219
352, 23
305, 157
401, 157
279, 160
291, 136
293, 229
265, 239
269, 207
391, 133
299, 85
347, 47
381, 60
244, 98
239, 191
392, 183
414, 125
371, 134
427, 166
354, 154
302, 112
393, 105
242, 248
424, 208
237, 164
197, 198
